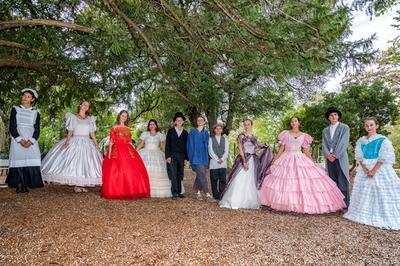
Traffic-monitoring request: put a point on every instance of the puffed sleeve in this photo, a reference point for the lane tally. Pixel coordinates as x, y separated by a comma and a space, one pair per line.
143, 135
358, 154
162, 136
307, 141
93, 126
69, 121
282, 137
386, 153
113, 135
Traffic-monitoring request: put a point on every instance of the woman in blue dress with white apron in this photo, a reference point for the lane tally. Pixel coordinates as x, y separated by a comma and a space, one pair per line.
24, 167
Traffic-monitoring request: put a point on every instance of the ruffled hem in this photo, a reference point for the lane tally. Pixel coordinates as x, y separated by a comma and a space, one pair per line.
305, 209
376, 201
73, 181
300, 202
303, 204
298, 171
392, 225
297, 185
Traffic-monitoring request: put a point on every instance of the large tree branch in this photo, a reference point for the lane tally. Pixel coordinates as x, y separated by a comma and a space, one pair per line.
134, 29
147, 109
168, 8
236, 17
293, 18
43, 22
38, 66
18, 45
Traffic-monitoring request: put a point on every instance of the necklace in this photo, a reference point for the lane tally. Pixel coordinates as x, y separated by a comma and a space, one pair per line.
296, 134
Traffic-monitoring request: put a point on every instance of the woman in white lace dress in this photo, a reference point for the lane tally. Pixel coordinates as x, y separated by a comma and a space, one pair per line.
152, 141
75, 160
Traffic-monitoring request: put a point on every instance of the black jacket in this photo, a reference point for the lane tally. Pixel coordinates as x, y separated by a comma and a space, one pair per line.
174, 145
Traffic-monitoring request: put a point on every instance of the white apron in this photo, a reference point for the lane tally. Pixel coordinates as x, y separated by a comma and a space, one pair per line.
20, 156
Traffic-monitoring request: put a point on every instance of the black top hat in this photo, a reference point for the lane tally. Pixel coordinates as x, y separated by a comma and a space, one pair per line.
179, 114
332, 110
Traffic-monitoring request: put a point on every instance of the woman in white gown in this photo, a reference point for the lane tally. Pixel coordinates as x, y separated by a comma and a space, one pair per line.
150, 150
247, 172
75, 160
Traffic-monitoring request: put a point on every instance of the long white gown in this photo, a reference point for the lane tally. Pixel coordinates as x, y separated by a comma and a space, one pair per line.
242, 192
154, 160
80, 163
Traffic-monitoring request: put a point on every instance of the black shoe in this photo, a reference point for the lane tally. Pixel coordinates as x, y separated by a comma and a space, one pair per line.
24, 190
19, 189
181, 196
174, 197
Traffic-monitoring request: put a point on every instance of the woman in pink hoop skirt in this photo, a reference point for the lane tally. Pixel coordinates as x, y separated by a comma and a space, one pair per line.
294, 183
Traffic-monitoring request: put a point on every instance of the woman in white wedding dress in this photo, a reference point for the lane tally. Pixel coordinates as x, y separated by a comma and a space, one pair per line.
152, 141
247, 172
75, 160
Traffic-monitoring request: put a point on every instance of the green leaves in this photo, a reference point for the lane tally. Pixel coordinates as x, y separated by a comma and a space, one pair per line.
356, 102
228, 59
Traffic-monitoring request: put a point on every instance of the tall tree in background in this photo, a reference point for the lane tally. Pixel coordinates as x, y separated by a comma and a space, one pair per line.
225, 59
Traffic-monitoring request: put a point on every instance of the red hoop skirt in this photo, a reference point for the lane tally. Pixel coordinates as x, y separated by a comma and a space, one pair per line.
124, 173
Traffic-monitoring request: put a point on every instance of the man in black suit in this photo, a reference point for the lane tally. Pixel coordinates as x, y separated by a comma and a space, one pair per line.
176, 154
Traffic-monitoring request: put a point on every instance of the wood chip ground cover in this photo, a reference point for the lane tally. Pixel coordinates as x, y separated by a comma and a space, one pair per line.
54, 225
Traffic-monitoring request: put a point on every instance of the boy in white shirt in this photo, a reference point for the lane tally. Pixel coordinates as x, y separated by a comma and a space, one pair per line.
218, 149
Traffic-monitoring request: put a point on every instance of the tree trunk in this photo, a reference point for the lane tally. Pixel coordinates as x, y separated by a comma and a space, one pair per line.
193, 113
229, 120
212, 120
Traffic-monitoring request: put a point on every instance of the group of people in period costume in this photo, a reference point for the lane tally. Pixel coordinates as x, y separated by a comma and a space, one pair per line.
290, 181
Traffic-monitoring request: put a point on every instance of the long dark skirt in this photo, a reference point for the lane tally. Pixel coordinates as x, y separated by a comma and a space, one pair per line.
26, 176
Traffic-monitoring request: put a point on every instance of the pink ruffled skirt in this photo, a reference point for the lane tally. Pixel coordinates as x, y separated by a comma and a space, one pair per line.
296, 184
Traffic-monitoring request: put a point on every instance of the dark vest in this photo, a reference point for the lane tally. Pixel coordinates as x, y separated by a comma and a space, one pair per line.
219, 149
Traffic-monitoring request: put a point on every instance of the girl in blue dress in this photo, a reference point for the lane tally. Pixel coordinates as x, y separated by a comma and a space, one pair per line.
375, 199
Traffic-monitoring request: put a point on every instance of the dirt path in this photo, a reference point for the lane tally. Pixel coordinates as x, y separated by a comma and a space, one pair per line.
54, 225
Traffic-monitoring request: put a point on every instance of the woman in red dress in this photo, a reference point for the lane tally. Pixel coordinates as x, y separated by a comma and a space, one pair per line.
124, 173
